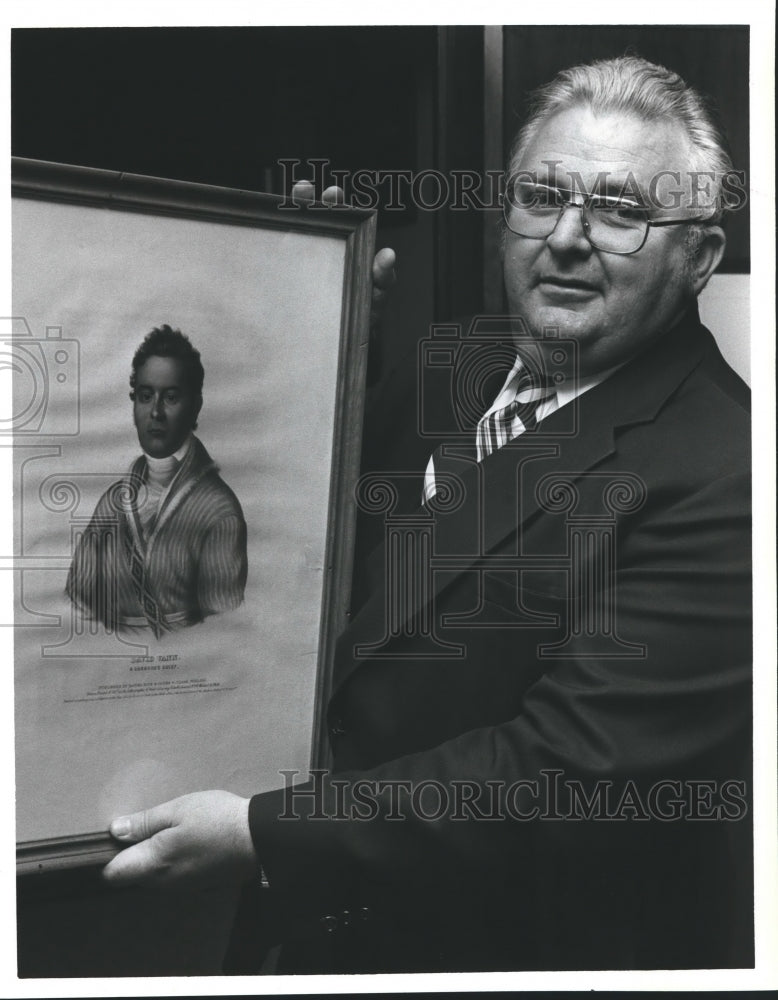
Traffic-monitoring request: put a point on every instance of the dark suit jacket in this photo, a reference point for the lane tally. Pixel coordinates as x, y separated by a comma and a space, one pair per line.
620, 667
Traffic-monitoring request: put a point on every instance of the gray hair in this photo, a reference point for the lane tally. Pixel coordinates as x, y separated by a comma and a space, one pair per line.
645, 90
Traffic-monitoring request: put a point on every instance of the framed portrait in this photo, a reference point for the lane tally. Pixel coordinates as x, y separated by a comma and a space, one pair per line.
182, 554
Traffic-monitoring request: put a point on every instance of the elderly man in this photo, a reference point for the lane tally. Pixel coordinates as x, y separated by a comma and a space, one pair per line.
565, 782
166, 546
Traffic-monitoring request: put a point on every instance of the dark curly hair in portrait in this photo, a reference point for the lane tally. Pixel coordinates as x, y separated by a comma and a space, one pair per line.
165, 342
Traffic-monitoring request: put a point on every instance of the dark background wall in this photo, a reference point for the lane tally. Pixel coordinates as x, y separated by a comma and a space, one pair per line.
219, 105
224, 105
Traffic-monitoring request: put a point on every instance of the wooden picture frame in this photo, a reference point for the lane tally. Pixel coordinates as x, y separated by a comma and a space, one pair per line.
278, 294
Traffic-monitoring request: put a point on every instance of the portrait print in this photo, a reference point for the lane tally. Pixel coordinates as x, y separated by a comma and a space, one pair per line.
181, 552
166, 546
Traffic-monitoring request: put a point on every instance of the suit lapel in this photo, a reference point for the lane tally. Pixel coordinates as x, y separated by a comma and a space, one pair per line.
574, 440
499, 496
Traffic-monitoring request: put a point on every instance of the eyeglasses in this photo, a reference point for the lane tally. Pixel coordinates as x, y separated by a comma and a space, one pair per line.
613, 225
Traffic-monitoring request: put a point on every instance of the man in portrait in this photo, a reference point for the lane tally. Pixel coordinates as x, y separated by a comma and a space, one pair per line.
166, 546
568, 786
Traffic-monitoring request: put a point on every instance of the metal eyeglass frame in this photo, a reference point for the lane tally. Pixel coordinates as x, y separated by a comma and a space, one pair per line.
584, 206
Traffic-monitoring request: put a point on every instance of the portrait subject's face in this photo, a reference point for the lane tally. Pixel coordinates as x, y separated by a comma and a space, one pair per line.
612, 305
165, 409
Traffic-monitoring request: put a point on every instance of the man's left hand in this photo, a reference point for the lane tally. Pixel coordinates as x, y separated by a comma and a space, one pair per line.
197, 839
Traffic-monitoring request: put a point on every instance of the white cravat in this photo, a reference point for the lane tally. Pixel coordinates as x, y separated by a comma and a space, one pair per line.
160, 473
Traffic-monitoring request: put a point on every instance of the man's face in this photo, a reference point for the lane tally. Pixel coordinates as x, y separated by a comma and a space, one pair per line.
165, 409
612, 305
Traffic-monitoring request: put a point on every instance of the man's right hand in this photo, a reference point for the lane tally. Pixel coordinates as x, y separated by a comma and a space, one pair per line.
198, 839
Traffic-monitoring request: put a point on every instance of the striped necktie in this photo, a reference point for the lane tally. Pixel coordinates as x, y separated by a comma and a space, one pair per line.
502, 425
519, 415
